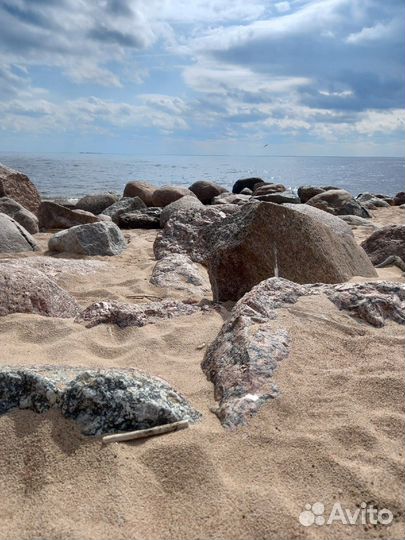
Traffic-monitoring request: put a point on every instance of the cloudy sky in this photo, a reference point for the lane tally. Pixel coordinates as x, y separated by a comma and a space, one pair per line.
307, 77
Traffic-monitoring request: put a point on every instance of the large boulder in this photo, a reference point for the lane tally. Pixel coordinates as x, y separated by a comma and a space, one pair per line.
101, 401
250, 183
179, 272
242, 359
183, 232
55, 216
91, 239
13, 237
385, 242
206, 191
368, 200
143, 190
18, 186
267, 239
399, 198
23, 216
167, 194
307, 192
96, 203
147, 218
27, 290
181, 204
123, 206
338, 202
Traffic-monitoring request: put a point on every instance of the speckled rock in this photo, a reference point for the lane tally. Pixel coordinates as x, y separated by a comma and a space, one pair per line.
385, 242
96, 203
368, 200
278, 197
356, 221
24, 217
55, 216
183, 233
124, 315
242, 359
181, 204
266, 240
338, 202
27, 290
307, 192
54, 267
231, 198
101, 401
267, 189
13, 237
179, 272
123, 206
103, 238
19, 187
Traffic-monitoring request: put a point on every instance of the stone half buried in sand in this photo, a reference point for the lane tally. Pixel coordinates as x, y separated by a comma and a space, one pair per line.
265, 240
124, 315
101, 401
179, 272
27, 290
242, 359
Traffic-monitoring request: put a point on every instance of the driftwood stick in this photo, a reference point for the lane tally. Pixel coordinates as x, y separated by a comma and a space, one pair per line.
143, 433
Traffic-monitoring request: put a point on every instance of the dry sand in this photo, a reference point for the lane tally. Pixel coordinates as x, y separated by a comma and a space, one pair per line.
335, 434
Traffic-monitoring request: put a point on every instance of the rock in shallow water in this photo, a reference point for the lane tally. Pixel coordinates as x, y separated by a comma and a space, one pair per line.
26, 290
242, 359
101, 401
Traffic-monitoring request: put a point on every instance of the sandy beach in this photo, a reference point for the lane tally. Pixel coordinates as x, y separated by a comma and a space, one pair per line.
335, 434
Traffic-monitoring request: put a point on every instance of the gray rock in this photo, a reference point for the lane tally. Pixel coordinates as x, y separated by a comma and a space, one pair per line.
181, 204
278, 198
27, 290
13, 237
356, 221
385, 242
55, 216
24, 217
124, 315
96, 203
18, 186
266, 240
338, 202
101, 401
184, 233
179, 272
206, 191
91, 239
246, 191
231, 198
307, 192
148, 218
368, 200
54, 267
242, 359
267, 189
399, 199
123, 206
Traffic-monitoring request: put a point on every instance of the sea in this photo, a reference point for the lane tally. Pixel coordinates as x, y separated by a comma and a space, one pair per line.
66, 175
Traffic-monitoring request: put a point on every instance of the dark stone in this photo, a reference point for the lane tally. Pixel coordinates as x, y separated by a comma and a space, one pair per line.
149, 218
385, 242
250, 183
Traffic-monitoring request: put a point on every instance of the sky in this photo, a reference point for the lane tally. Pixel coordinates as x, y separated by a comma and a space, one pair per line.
303, 77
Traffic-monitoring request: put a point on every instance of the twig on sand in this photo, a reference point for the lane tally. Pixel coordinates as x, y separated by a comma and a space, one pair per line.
143, 433
144, 296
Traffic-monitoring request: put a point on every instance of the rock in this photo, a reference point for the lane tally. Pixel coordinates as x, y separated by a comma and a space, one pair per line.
102, 217
278, 198
54, 216
149, 218
54, 267
124, 315
168, 194
27, 290
266, 240
183, 233
143, 190
356, 221
267, 189
96, 203
250, 183
101, 401
368, 200
307, 192
399, 198
181, 204
384, 242
231, 198
246, 191
24, 217
242, 359
123, 206
18, 186
90, 239
179, 272
13, 237
206, 191
338, 202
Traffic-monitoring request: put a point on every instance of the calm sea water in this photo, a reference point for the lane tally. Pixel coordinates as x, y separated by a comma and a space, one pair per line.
72, 175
